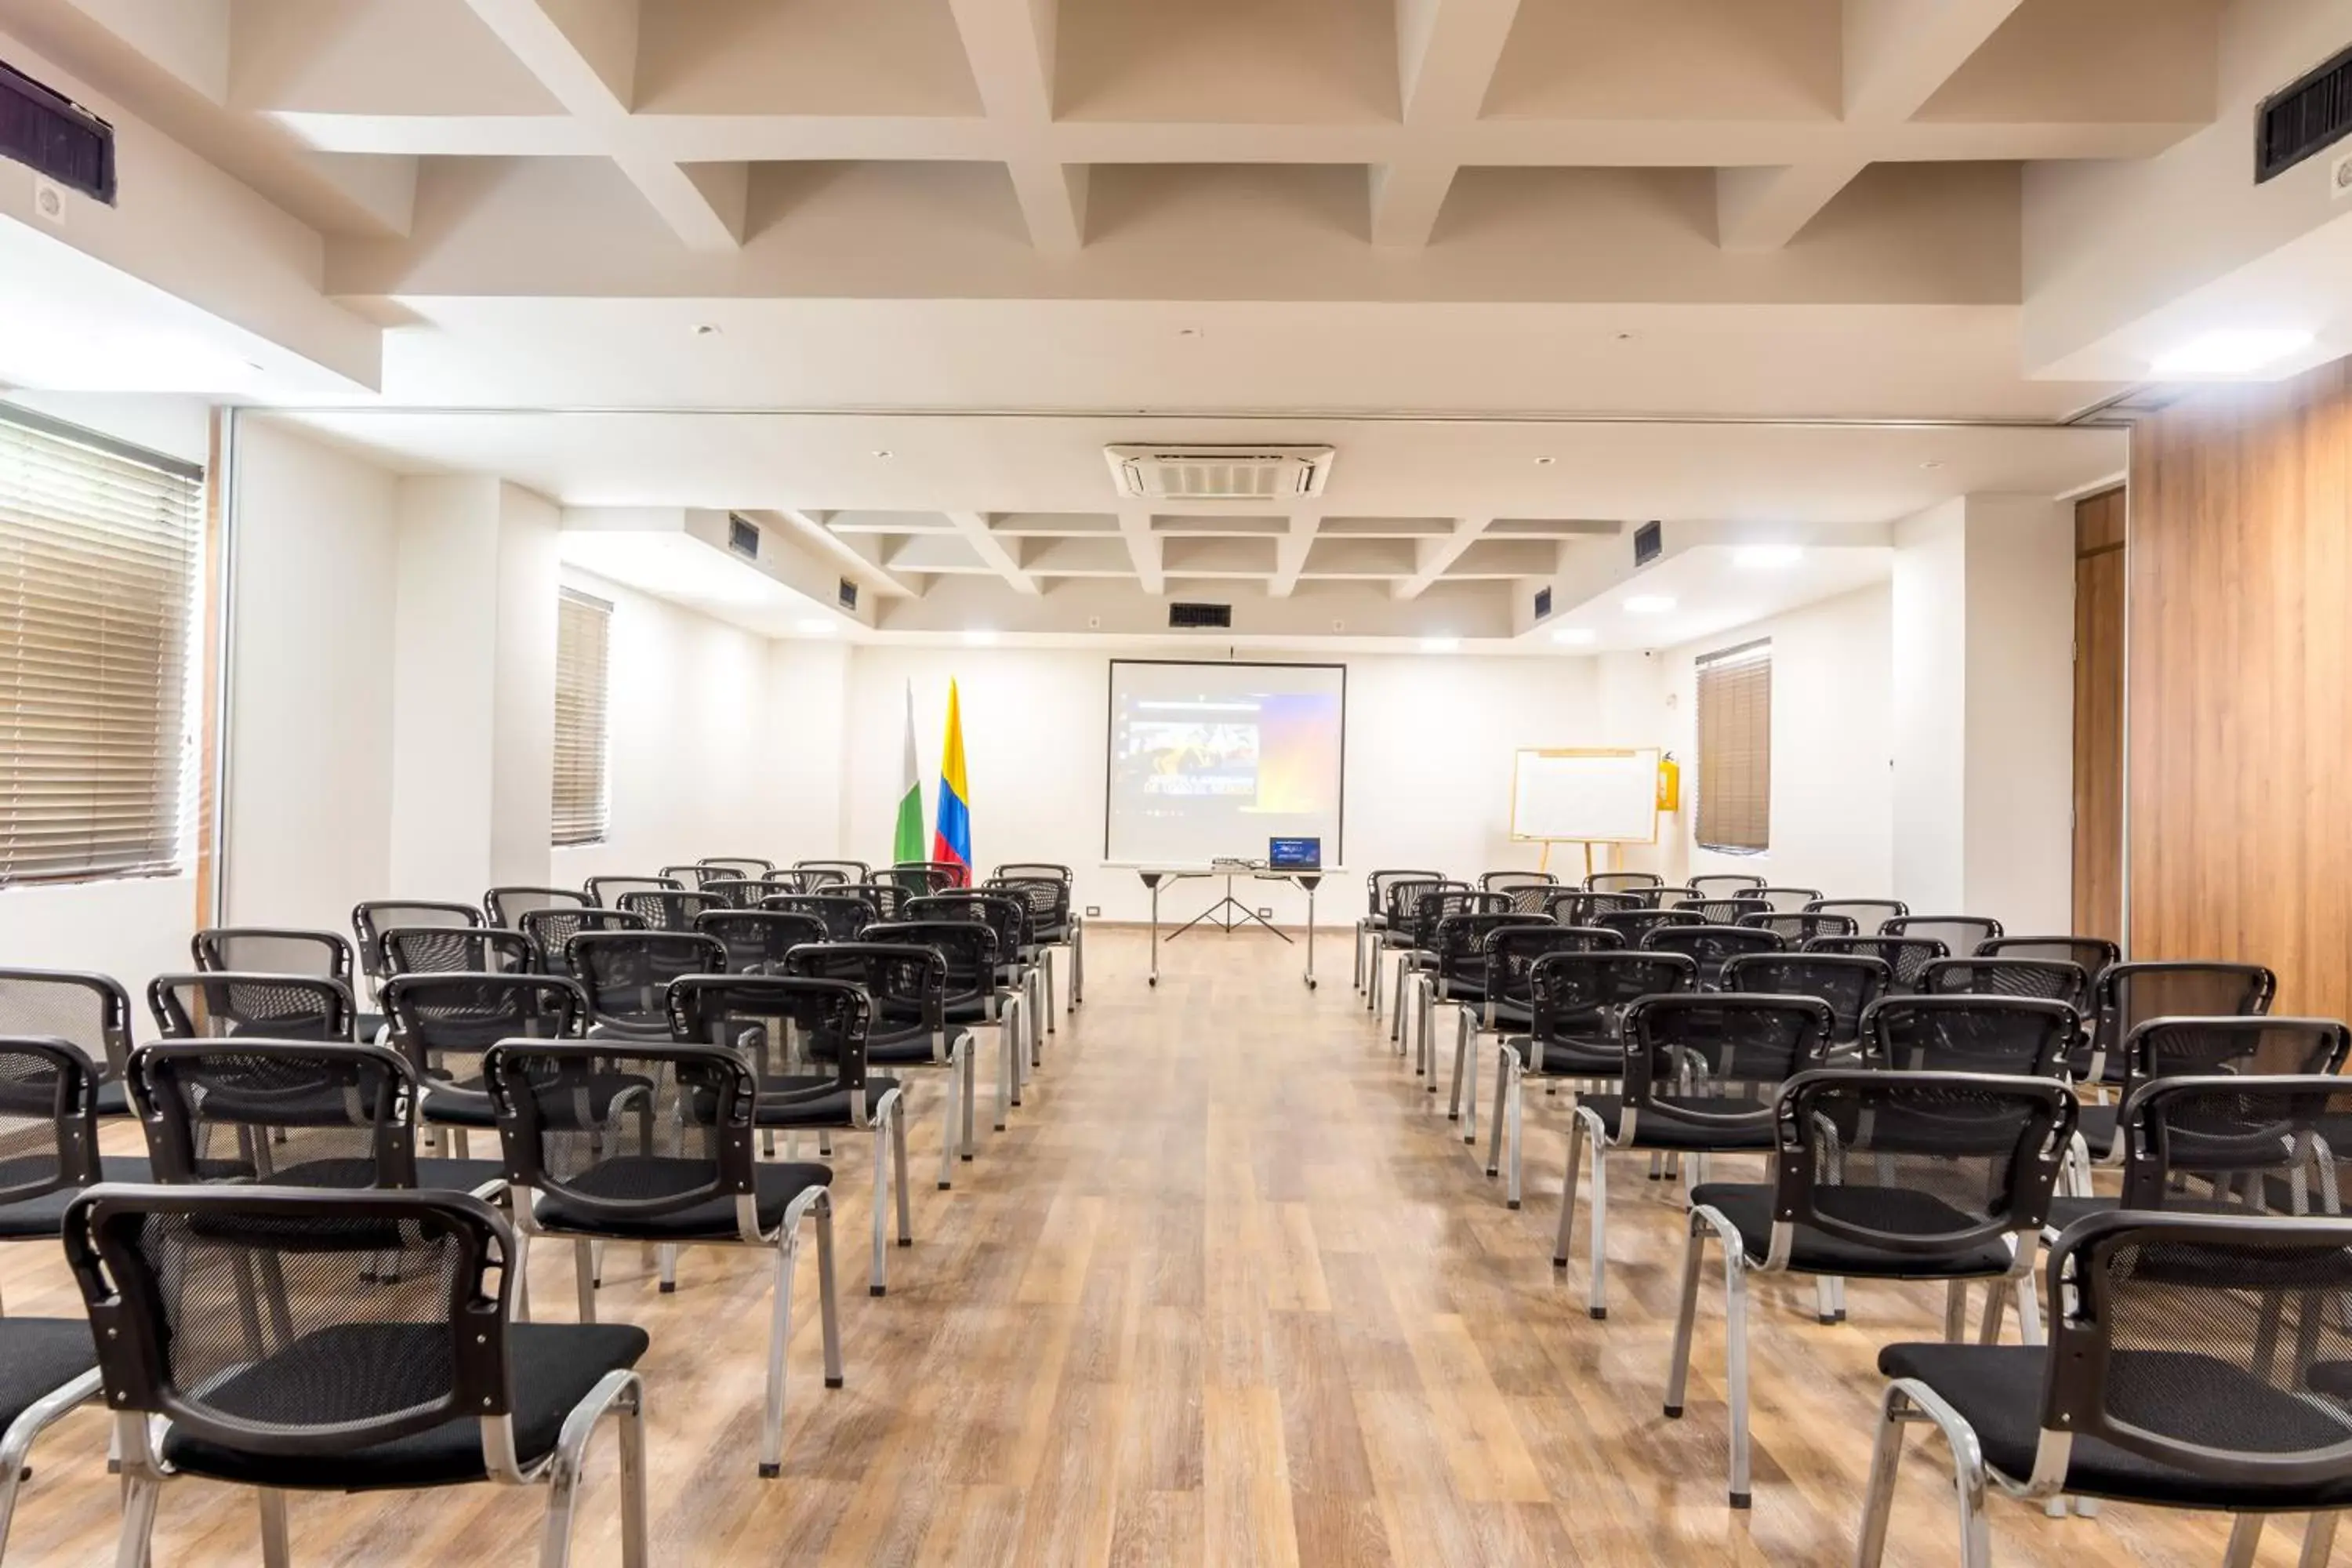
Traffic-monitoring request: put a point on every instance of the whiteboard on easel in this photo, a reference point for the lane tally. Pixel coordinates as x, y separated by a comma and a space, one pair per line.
1594, 796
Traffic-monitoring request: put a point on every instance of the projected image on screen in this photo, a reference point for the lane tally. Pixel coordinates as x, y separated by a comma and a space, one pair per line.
1210, 760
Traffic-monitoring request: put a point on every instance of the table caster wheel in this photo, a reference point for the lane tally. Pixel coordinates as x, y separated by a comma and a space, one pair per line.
1152, 981
1310, 985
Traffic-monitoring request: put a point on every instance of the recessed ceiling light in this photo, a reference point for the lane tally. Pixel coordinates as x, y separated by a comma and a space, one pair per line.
1441, 645
883, 452
1648, 604
1574, 635
1767, 557
2231, 352
978, 638
705, 329
1546, 462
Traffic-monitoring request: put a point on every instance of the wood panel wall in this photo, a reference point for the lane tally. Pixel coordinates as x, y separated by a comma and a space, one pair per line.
2099, 715
2239, 674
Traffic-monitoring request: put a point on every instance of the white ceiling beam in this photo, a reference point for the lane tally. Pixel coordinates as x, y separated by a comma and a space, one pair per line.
994, 552
1290, 553
1143, 548
811, 526
584, 52
1010, 48
1431, 557
1447, 54
1897, 53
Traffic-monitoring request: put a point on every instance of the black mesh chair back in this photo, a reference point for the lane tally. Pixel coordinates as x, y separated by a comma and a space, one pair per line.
258, 950
1635, 925
1405, 895
1047, 899
908, 982
2023, 1036
1007, 917
2095, 953
607, 890
372, 918
1848, 983
2127, 995
89, 1011
773, 1019
1619, 881
735, 892
1965, 935
757, 939
506, 906
1712, 1063
920, 878
550, 931
751, 867
1022, 871
665, 909
791, 881
427, 950
1786, 900
1575, 907
1577, 999
886, 900
381, 1314
968, 946
1907, 957
1725, 885
48, 1119
2248, 1048
691, 876
1798, 929
1924, 1163
1420, 928
443, 1023
1711, 946
290, 1113
1513, 951
1460, 945
843, 914
839, 870
1724, 912
1380, 885
1525, 889
219, 1006
2053, 980
2262, 1145
1867, 914
627, 974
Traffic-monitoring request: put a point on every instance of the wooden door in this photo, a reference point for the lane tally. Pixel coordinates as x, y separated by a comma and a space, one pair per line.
2099, 715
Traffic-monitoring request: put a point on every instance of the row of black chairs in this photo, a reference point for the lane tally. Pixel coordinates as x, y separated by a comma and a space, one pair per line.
313, 1300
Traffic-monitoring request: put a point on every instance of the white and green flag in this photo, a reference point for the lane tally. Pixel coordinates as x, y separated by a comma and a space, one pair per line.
909, 843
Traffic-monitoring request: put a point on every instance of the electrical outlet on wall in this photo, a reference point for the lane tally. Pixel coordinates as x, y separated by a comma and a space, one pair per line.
1266, 914
1094, 912
2339, 178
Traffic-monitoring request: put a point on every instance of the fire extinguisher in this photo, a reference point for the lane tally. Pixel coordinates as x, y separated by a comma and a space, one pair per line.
1669, 783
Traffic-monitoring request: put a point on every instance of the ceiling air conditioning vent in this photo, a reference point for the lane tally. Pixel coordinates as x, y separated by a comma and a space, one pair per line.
742, 536
2309, 116
1200, 618
1649, 543
55, 136
1218, 473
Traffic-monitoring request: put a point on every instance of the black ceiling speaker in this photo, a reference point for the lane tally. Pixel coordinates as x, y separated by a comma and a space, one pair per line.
2303, 119
1200, 617
55, 136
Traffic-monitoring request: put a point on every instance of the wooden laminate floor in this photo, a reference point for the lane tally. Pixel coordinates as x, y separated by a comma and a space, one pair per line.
1230, 1290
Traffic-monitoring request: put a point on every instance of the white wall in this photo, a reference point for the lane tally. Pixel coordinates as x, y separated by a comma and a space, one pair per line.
522, 710
445, 629
1428, 772
1832, 743
1930, 636
2020, 712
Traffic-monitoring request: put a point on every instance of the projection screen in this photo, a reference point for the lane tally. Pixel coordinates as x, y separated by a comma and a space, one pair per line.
1211, 759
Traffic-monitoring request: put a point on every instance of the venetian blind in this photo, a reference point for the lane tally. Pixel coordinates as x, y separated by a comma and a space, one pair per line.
582, 803
98, 565
1735, 749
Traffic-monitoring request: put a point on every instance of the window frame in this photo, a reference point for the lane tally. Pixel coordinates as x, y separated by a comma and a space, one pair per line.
1737, 766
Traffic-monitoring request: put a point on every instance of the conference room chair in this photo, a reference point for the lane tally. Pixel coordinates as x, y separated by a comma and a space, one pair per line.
91, 1011
271, 949
1725, 885
506, 906
1800, 928
1867, 914
843, 914
1710, 946
1786, 900
1018, 986
2172, 1047
1017, 869
774, 1020
845, 870
1456, 978
922, 877
757, 939
1963, 935
427, 950
1575, 907
48, 1370
1722, 911
735, 892
883, 901
1417, 933
970, 998
443, 1023
789, 880
691, 876
549, 931
219, 1004
667, 909
2053, 979
1849, 982
626, 976
1507, 1003
906, 1026
1054, 925
1697, 1074
607, 890
1621, 881
1879, 1175
1907, 957
372, 918
1575, 1003
405, 1367
2019, 1036
751, 867
1633, 925
1527, 889
670, 1163
2127, 995
1396, 934
2093, 953
2124, 1404
49, 1125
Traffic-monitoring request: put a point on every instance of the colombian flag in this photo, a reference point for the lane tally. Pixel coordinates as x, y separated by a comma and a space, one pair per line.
952, 841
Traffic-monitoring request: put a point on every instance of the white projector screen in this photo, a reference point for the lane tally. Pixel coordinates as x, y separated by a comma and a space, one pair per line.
1213, 760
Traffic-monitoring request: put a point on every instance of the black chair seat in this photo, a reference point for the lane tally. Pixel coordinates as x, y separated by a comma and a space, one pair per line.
2097, 1125
1515, 1014
907, 1043
432, 1175
37, 1357
113, 1097
817, 1110
1656, 1128
1569, 1058
551, 1368
630, 1026
2064, 1211
968, 1007
1997, 1389
642, 1176
464, 1102
369, 1026
46, 1216
1750, 1209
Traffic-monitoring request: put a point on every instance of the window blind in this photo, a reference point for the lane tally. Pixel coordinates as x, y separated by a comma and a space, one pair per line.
98, 566
1735, 749
583, 637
